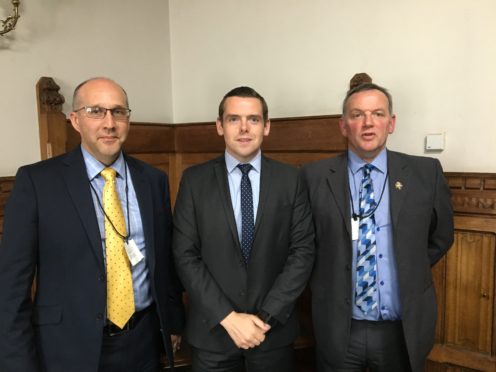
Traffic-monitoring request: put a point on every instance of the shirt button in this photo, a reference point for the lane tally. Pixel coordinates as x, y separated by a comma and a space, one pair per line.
382, 282
378, 228
380, 255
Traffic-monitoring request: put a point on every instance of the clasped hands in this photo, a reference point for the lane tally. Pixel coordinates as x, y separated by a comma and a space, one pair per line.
246, 330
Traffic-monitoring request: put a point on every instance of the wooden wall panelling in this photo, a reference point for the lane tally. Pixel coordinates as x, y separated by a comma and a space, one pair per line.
470, 280
466, 329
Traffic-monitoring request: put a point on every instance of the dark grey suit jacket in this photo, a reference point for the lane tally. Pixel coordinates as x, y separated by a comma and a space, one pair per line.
422, 223
51, 228
208, 257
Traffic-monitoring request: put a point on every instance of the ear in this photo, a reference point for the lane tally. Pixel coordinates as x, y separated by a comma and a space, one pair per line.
75, 121
220, 128
343, 128
392, 124
266, 127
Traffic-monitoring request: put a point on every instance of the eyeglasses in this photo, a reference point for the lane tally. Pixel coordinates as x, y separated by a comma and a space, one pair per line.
97, 112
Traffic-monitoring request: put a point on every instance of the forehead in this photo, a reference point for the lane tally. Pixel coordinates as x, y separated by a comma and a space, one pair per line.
98, 91
368, 99
242, 105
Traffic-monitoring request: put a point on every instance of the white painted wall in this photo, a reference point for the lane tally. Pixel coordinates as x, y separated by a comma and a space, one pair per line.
71, 41
176, 58
437, 58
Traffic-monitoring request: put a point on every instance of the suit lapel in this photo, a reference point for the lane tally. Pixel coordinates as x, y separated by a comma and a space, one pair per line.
399, 178
337, 181
144, 197
76, 179
225, 196
265, 181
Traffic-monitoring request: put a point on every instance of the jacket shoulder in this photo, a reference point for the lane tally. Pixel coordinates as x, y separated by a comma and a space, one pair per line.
280, 167
323, 165
200, 170
415, 161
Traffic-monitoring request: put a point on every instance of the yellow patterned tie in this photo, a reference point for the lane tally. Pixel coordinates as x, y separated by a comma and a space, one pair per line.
120, 296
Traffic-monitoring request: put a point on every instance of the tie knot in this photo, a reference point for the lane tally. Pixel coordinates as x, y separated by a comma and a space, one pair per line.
108, 174
245, 168
367, 169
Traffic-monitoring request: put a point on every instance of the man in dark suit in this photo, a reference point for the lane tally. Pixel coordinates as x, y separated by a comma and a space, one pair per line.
382, 219
107, 297
243, 246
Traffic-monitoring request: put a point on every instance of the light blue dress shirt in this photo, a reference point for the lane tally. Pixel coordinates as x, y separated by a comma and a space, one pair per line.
234, 178
387, 280
140, 273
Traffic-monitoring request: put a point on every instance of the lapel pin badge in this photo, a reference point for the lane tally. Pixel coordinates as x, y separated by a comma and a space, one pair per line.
398, 185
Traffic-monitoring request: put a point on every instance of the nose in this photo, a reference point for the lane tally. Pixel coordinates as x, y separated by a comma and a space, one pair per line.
108, 120
368, 118
244, 125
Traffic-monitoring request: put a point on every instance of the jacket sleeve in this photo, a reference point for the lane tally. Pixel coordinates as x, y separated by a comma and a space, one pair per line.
441, 230
175, 304
292, 280
18, 257
193, 272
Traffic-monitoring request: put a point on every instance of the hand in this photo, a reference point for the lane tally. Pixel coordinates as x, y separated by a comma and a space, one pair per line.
246, 330
176, 342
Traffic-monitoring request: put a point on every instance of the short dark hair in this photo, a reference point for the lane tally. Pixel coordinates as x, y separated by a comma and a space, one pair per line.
245, 92
75, 96
368, 86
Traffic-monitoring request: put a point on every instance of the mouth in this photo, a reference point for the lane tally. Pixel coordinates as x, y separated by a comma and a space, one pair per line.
109, 138
244, 140
368, 135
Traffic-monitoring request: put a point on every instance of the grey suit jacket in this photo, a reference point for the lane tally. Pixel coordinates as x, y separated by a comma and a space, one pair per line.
422, 222
208, 257
51, 229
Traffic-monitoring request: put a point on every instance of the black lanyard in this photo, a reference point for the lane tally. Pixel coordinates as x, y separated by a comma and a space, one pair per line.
125, 237
359, 216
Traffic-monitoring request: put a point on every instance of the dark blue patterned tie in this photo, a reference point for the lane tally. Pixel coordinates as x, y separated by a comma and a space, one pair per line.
366, 285
247, 223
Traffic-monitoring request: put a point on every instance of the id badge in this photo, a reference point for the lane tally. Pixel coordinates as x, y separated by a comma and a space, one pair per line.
355, 225
133, 252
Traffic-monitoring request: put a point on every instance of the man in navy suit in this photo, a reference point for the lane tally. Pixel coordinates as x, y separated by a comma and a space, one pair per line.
55, 230
243, 256
382, 219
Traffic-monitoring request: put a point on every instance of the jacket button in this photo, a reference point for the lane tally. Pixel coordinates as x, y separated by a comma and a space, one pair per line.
242, 294
347, 300
99, 316
101, 278
348, 267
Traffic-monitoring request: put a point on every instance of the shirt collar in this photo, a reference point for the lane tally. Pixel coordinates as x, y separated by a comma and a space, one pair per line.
356, 163
94, 167
232, 162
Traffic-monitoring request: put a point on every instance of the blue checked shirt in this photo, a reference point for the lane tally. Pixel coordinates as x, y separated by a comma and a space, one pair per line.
387, 280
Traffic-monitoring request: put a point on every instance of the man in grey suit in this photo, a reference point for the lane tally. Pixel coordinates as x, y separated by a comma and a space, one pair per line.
382, 220
243, 244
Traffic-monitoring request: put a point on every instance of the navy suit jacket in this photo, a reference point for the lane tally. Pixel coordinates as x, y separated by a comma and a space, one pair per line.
422, 223
208, 255
51, 230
